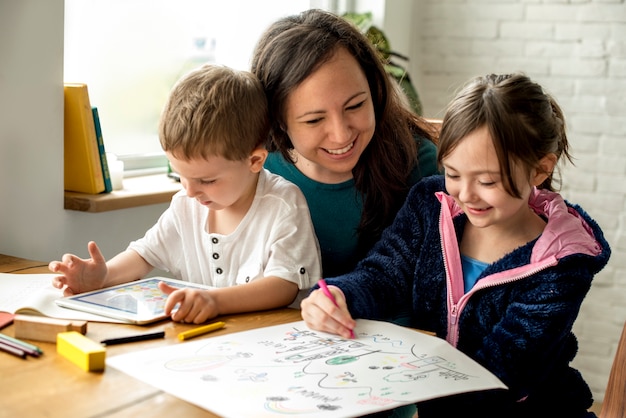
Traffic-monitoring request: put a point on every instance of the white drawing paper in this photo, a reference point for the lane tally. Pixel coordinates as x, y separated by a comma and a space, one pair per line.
291, 370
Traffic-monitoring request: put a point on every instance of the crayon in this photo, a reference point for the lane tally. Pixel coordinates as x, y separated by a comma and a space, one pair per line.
200, 330
322, 285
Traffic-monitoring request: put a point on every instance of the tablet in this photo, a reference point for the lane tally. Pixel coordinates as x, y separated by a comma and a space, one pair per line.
138, 302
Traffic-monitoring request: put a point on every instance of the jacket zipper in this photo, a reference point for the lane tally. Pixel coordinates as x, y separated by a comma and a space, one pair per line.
457, 299
457, 307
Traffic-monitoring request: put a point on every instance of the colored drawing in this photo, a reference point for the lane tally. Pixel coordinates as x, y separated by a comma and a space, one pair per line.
291, 370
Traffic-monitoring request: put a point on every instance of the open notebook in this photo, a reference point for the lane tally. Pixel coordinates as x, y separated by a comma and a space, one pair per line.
33, 294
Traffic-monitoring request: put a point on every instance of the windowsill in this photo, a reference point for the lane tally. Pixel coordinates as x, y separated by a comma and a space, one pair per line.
137, 191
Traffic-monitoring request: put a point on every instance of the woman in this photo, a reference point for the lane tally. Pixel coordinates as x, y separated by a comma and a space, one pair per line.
340, 130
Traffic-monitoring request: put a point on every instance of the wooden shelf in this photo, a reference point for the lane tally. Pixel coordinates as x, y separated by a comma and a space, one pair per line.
137, 191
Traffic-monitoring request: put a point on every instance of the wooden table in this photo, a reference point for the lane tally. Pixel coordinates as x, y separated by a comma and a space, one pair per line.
52, 386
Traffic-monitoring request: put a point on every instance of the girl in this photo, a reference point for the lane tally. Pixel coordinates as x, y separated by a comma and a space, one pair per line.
488, 256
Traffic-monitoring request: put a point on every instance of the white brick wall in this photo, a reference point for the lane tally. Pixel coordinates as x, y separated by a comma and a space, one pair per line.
577, 50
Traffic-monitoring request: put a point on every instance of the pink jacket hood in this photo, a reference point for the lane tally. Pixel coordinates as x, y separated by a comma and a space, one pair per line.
565, 233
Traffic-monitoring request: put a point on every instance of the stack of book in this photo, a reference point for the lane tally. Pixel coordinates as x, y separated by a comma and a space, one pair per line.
85, 168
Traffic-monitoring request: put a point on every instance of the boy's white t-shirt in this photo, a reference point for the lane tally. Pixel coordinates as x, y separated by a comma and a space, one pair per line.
275, 238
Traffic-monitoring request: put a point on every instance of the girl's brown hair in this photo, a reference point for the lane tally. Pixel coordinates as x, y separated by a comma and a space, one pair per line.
525, 123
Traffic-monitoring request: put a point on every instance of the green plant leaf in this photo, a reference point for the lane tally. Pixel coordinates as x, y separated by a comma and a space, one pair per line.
363, 21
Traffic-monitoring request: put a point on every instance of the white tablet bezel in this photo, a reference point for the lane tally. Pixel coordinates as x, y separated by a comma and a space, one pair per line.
79, 302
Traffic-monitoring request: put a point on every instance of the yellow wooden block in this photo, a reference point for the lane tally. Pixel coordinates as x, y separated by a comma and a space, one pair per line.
80, 350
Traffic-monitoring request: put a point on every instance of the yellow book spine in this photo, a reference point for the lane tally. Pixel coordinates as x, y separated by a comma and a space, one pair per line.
82, 167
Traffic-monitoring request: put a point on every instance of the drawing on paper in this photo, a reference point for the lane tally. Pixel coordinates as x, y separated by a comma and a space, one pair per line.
290, 369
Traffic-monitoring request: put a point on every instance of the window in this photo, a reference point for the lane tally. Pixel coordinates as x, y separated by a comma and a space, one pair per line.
131, 52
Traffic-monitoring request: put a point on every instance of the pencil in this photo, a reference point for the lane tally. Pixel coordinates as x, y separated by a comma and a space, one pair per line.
200, 330
133, 338
12, 350
324, 288
33, 350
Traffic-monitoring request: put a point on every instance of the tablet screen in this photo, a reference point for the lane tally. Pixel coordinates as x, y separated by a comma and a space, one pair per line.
143, 298
139, 301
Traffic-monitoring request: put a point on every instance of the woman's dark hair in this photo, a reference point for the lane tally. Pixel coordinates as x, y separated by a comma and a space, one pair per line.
525, 123
292, 49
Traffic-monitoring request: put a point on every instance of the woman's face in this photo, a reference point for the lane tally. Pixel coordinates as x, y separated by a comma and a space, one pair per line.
330, 119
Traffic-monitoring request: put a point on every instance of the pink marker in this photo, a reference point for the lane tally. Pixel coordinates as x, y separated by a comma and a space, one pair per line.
322, 285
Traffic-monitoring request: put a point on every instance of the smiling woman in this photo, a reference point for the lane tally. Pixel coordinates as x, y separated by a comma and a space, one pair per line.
130, 53
340, 131
332, 114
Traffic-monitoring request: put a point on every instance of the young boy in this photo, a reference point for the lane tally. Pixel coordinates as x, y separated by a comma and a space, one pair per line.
235, 225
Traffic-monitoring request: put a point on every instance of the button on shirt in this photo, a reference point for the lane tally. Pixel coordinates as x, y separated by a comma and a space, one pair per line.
275, 238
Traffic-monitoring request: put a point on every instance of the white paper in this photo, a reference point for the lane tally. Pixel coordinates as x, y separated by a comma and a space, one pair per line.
291, 370
35, 293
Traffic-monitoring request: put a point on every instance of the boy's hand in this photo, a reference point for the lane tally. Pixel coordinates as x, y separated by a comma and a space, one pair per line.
196, 305
79, 275
320, 313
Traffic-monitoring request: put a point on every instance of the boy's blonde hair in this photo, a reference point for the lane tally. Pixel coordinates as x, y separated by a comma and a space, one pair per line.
215, 111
